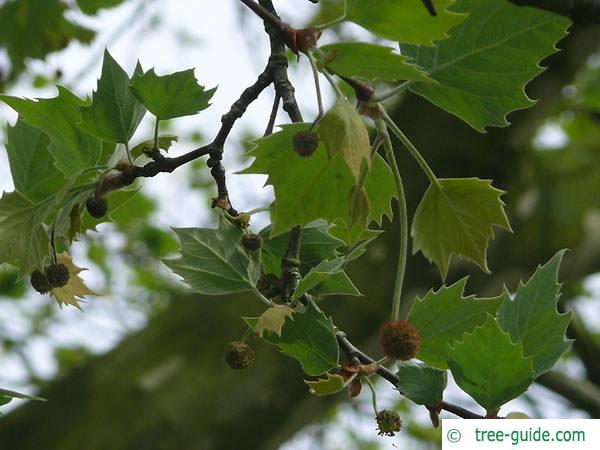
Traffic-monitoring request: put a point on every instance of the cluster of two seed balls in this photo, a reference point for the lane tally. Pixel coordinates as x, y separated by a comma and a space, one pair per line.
54, 276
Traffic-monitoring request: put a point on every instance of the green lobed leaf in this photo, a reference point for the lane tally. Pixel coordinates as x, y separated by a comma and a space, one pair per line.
91, 7
483, 67
36, 28
442, 317
214, 262
327, 278
404, 21
308, 337
456, 218
344, 133
71, 148
421, 383
317, 245
532, 318
307, 189
115, 113
31, 165
489, 367
24, 242
369, 62
171, 96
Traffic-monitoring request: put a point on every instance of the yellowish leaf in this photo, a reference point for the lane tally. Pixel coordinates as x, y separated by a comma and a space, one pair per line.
329, 385
75, 289
273, 319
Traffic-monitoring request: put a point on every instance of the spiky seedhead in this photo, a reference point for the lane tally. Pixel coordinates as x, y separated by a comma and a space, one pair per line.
252, 241
57, 275
40, 282
97, 206
239, 355
399, 339
388, 422
305, 143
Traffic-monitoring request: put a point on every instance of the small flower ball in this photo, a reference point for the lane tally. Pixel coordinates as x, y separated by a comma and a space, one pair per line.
399, 339
239, 355
305, 143
252, 241
388, 422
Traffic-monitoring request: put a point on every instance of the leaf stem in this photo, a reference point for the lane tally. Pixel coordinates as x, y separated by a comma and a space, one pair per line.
403, 216
258, 210
262, 298
128, 153
335, 22
156, 134
411, 148
392, 92
315, 72
373, 394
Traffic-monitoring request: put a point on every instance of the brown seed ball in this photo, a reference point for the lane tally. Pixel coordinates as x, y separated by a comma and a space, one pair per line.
388, 422
40, 282
305, 143
399, 339
239, 355
97, 206
58, 275
252, 241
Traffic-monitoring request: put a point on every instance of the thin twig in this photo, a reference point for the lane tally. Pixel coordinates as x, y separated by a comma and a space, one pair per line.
352, 351
273, 116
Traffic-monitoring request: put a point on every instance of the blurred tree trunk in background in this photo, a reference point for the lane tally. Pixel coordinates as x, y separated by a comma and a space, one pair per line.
167, 387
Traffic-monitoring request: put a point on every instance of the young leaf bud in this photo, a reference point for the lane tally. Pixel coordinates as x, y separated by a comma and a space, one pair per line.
399, 339
97, 206
305, 143
239, 355
58, 275
40, 282
252, 241
388, 422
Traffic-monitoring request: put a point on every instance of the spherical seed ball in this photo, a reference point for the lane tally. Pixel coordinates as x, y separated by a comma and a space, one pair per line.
97, 206
58, 275
252, 241
399, 339
239, 355
305, 143
388, 422
40, 282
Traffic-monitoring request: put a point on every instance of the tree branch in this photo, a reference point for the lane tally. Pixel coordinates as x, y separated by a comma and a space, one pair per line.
353, 352
214, 149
